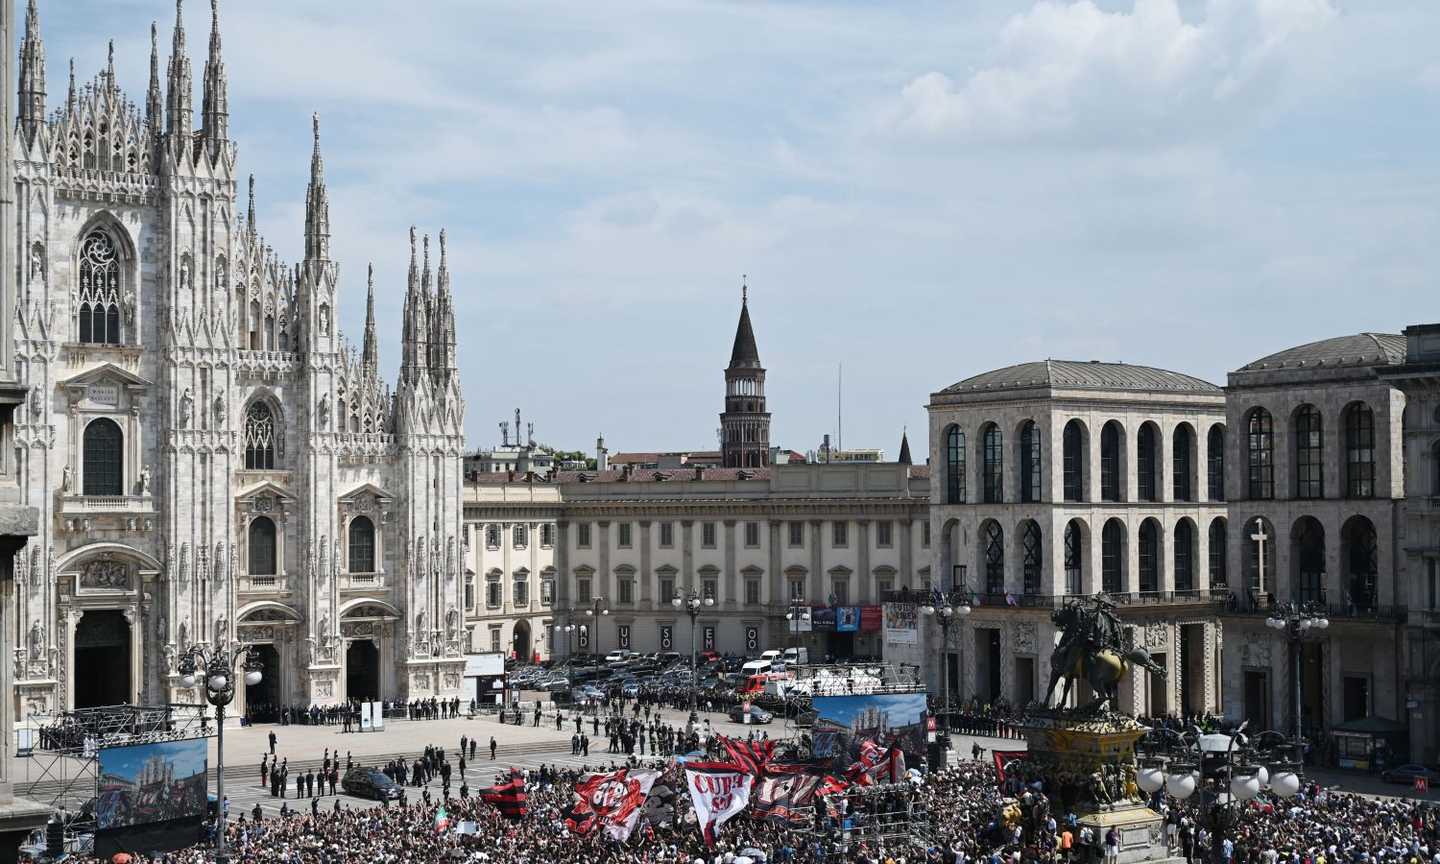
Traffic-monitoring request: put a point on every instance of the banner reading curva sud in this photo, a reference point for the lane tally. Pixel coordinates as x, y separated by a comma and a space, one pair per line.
719, 790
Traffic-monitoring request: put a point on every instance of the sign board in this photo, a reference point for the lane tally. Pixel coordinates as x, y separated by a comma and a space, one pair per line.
488, 663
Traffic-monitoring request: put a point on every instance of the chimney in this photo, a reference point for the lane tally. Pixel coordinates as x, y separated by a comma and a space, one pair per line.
602, 456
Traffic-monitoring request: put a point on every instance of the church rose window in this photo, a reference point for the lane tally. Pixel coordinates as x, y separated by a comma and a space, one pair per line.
99, 313
259, 438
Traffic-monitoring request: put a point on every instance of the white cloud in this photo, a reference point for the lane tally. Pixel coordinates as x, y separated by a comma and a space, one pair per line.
1074, 67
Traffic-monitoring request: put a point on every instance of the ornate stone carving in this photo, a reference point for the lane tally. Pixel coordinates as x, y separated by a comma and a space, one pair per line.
105, 574
1255, 651
1025, 637
358, 629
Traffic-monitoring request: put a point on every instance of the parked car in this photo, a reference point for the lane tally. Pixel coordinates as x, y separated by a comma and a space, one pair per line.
370, 783
1407, 774
757, 715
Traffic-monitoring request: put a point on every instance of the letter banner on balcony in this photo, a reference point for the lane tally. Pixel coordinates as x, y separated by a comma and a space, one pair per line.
707, 638
624, 633
667, 637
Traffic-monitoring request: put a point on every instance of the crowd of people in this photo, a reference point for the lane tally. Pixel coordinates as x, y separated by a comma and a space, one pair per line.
348, 713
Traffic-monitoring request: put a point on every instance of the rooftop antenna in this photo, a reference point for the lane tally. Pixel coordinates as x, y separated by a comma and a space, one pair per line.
839, 407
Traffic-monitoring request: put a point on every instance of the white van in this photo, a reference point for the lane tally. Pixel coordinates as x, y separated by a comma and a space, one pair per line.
763, 664
796, 656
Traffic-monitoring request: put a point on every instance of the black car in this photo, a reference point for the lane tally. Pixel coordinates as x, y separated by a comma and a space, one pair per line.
370, 783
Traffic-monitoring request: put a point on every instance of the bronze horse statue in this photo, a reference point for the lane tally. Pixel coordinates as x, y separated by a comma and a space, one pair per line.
1090, 649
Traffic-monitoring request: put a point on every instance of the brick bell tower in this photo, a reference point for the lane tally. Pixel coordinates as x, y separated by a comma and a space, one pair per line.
745, 423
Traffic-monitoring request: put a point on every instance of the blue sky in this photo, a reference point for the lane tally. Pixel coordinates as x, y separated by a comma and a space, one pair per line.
921, 190
188, 757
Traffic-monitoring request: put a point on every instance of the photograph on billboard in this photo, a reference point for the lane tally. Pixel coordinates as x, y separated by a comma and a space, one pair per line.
843, 723
150, 783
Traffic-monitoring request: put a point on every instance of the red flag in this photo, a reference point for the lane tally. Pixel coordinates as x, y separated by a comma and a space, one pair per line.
611, 801
749, 755
1004, 758
507, 796
785, 796
876, 765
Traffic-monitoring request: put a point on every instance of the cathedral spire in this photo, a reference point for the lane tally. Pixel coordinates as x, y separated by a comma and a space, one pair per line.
904, 458
71, 102
317, 205
415, 326
32, 74
180, 97
215, 104
745, 422
370, 354
442, 323
154, 104
250, 210
110, 67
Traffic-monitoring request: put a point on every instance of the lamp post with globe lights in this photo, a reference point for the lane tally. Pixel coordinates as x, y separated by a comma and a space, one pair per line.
1225, 768
597, 610
691, 603
796, 615
215, 670
1295, 620
946, 609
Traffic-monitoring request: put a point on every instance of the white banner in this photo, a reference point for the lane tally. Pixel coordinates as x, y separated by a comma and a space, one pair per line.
718, 791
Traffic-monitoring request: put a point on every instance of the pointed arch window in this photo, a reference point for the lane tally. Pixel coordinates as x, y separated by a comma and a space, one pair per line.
98, 319
104, 458
1030, 462
261, 547
362, 545
259, 438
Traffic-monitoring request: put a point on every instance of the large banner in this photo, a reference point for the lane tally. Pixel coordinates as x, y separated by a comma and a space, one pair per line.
611, 801
847, 619
151, 783
844, 723
786, 798
719, 791
901, 625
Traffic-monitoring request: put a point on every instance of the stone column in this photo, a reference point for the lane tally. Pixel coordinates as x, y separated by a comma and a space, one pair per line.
646, 577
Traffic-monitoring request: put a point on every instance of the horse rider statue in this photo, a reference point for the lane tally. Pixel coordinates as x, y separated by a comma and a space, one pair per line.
1091, 647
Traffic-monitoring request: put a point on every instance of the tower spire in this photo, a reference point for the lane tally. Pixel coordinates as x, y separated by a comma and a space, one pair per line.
180, 98
442, 335
215, 103
32, 74
317, 205
745, 422
71, 103
154, 104
370, 354
250, 210
415, 326
110, 66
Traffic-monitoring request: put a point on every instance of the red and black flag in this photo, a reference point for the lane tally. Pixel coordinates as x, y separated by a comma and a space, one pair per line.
611, 801
748, 754
507, 795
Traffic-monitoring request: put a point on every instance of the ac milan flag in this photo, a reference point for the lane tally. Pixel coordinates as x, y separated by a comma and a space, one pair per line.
785, 797
611, 801
507, 795
719, 790
876, 765
751, 755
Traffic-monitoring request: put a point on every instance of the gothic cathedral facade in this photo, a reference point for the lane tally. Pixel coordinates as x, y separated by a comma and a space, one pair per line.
212, 460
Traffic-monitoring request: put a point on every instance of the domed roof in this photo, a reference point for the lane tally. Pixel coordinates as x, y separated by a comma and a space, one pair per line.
1360, 349
1091, 375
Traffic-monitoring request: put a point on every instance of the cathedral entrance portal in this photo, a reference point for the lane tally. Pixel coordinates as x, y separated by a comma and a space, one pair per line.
102, 659
362, 670
262, 701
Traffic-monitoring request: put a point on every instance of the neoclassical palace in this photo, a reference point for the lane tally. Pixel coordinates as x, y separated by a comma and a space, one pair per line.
212, 460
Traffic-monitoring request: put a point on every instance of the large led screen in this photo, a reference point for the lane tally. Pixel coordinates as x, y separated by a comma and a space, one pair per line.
149, 783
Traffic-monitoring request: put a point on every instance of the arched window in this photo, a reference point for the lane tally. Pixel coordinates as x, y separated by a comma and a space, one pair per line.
1074, 558
1110, 462
259, 438
1032, 558
954, 466
1184, 555
1260, 450
993, 464
1147, 486
993, 551
1257, 582
1112, 557
262, 547
1074, 444
1361, 557
1215, 463
104, 458
1181, 461
98, 317
1308, 560
362, 545
1309, 454
255, 319
1360, 451
1029, 462
1149, 556
1218, 567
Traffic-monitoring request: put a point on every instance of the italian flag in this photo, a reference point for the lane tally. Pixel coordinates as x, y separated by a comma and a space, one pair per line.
442, 819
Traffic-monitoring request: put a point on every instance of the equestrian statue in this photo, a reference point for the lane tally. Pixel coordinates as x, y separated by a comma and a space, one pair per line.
1090, 647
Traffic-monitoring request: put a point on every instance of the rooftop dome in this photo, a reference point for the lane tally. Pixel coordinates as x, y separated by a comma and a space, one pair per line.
1361, 349
1091, 375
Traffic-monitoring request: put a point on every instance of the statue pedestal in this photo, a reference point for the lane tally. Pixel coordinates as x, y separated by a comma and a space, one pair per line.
1141, 830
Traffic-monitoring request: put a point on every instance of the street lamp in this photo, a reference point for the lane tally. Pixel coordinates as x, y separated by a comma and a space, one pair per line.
1226, 768
597, 609
1295, 620
797, 613
946, 609
215, 669
691, 603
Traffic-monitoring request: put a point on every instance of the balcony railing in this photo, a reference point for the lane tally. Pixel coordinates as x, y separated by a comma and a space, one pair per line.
107, 504
362, 581
264, 584
1261, 606
1054, 601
